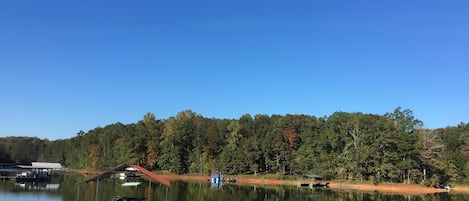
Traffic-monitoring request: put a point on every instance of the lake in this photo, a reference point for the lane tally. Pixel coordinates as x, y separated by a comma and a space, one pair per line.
65, 188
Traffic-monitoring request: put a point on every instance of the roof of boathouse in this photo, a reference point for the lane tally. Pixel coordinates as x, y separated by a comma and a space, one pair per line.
127, 167
42, 165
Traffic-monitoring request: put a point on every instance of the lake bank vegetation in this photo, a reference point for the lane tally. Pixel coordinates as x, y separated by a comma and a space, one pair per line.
393, 147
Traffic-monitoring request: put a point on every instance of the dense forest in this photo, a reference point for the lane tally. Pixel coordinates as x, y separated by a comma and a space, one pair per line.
393, 147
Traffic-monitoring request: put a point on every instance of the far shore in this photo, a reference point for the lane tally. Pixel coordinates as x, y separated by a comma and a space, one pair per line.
393, 188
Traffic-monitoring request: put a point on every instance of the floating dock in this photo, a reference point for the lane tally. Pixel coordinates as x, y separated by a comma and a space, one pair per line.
6, 178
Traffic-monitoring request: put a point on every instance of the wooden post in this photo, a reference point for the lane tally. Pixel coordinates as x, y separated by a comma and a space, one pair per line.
97, 190
78, 191
149, 191
166, 194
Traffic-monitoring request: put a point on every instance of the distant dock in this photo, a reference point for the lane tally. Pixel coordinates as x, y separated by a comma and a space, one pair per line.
37, 171
7, 171
7, 178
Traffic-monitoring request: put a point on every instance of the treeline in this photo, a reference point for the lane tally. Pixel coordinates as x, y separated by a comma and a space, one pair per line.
349, 146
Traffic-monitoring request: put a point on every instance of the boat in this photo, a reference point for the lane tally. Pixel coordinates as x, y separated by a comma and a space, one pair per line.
132, 184
33, 176
126, 175
129, 184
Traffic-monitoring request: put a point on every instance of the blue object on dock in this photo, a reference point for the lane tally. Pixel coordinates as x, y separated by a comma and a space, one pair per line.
217, 178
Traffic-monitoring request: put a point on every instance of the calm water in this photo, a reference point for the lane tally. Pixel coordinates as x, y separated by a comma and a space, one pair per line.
65, 188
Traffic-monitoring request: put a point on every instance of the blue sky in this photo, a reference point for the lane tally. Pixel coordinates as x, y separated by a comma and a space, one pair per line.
67, 66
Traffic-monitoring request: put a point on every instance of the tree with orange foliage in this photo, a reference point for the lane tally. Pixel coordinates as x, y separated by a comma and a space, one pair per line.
290, 136
94, 155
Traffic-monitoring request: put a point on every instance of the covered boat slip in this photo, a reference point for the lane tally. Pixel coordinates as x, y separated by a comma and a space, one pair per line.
37, 171
147, 175
123, 167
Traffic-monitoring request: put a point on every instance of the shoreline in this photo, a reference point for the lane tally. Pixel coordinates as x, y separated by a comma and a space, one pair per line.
402, 189
391, 188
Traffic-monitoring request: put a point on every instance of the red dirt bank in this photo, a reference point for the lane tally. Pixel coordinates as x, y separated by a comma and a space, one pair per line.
407, 189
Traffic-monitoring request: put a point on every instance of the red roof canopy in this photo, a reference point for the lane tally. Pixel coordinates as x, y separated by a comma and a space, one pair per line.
146, 172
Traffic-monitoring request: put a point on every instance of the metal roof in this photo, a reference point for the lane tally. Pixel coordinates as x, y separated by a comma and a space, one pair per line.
43, 165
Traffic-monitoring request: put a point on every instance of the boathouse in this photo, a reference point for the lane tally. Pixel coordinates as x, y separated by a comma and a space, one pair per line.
42, 166
128, 170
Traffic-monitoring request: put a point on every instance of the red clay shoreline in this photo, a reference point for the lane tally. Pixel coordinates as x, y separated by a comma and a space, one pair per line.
405, 189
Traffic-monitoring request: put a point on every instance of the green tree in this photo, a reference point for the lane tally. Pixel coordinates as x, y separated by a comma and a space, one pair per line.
171, 150
231, 158
391, 147
407, 127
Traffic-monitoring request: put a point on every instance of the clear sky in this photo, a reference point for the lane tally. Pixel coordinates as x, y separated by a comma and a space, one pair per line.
67, 66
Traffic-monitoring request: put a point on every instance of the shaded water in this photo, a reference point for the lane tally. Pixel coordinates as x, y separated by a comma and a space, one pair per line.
65, 188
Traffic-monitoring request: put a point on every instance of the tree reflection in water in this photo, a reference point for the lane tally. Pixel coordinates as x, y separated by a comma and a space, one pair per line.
195, 191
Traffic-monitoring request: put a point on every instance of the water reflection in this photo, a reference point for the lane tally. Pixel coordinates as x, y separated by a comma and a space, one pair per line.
66, 188
26, 191
38, 186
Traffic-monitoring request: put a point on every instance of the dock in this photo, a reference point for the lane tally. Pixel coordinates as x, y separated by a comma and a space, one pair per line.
313, 181
6, 178
37, 171
314, 185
